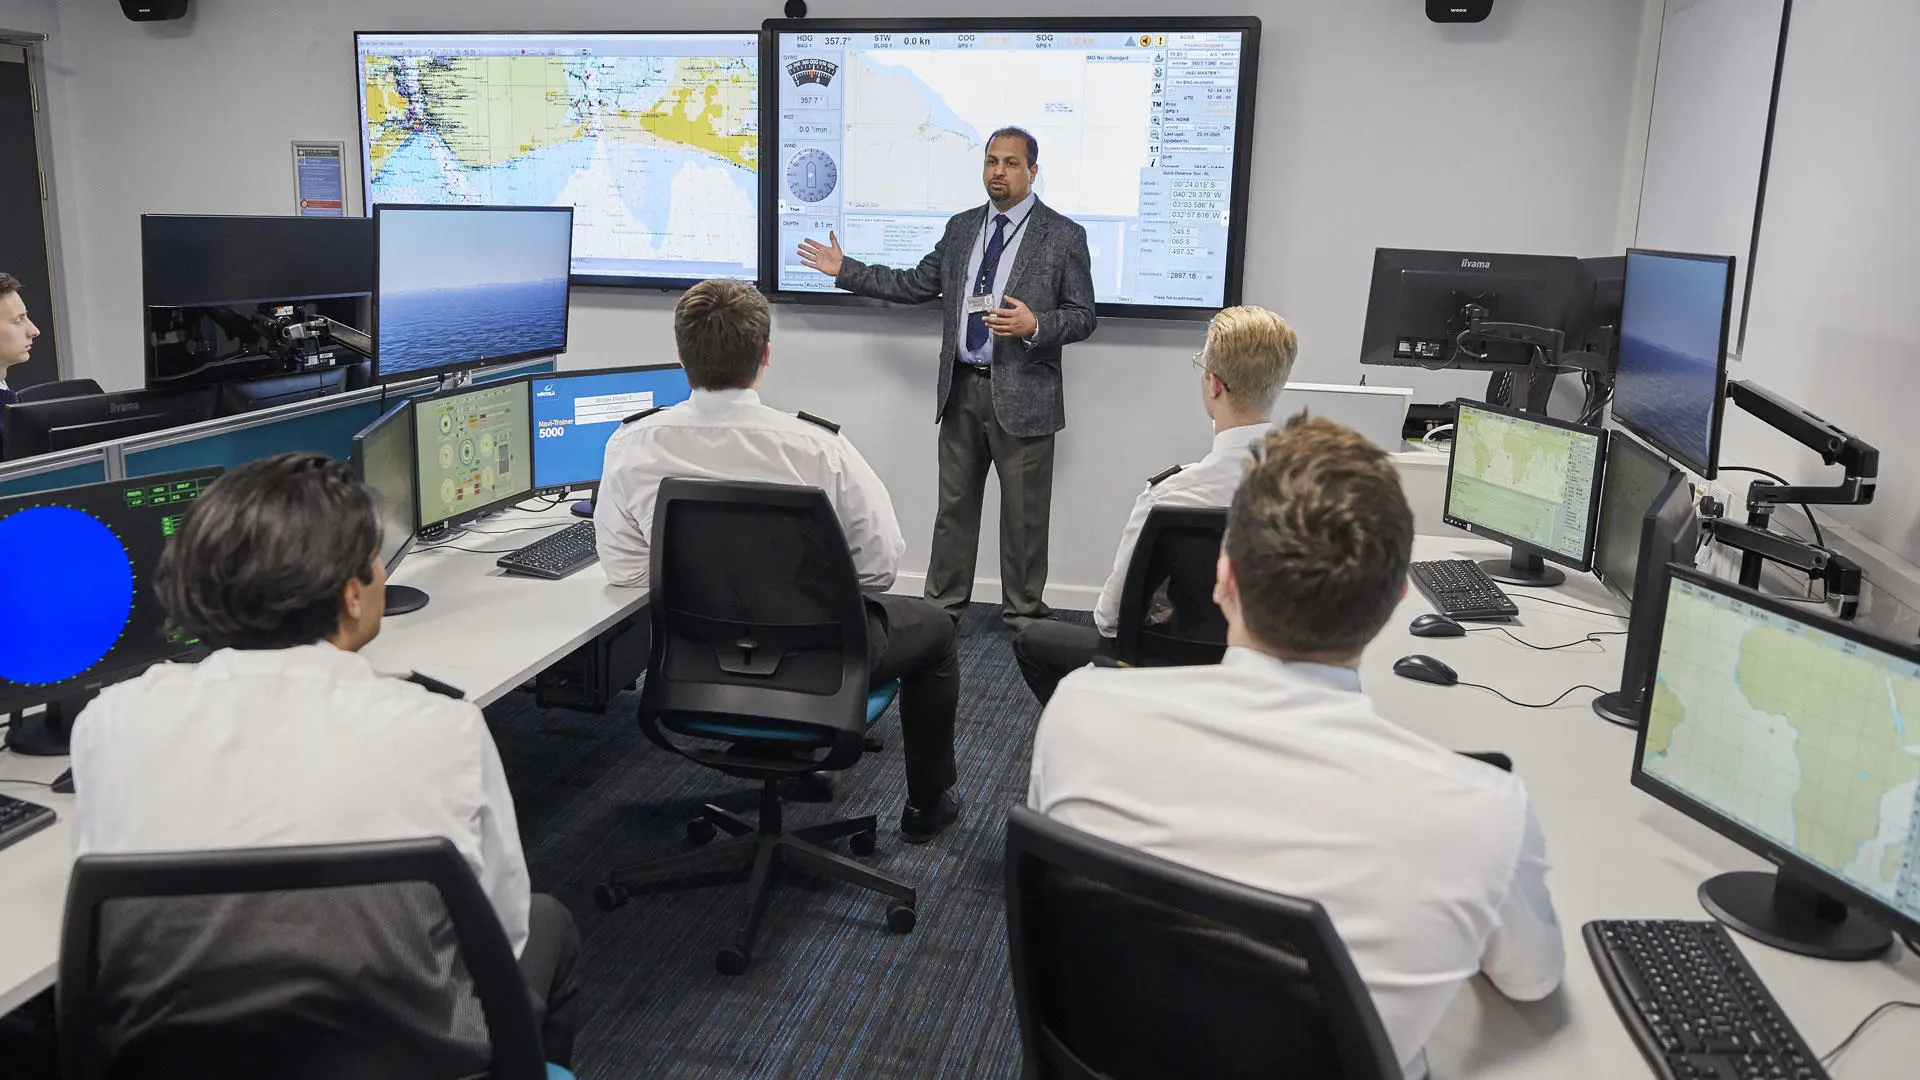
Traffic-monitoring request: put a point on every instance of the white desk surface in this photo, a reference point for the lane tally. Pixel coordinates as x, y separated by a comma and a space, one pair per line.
1616, 852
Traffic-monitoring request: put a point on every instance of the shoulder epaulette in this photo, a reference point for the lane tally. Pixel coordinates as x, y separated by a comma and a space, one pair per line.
642, 414
1171, 470
436, 686
820, 420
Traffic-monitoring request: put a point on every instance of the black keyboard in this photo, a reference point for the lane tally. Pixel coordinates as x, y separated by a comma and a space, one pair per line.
1693, 1005
1459, 589
555, 556
20, 819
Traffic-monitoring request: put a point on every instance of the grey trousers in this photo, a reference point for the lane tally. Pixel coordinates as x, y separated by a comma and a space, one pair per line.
971, 441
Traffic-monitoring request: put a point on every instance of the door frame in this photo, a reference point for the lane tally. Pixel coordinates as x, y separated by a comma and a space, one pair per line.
35, 45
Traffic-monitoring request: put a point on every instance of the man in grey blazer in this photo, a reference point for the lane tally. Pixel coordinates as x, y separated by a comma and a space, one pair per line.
1015, 283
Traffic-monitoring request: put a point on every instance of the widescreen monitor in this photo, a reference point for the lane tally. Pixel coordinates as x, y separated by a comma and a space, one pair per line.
45, 427
1636, 481
1423, 304
1144, 126
1793, 735
1647, 523
652, 138
383, 460
79, 611
1527, 481
471, 451
458, 288
1670, 385
212, 261
574, 414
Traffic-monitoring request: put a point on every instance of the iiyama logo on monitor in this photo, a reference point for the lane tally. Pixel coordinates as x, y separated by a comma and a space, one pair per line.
1476, 264
116, 407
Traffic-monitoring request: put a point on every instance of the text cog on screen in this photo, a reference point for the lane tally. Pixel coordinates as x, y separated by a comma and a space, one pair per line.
812, 175
67, 614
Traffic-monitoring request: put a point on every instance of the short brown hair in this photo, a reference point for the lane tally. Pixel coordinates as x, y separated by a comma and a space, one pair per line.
8, 284
1251, 350
266, 550
1320, 536
721, 327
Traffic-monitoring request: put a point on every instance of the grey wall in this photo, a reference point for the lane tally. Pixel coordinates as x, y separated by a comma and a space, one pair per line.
1374, 127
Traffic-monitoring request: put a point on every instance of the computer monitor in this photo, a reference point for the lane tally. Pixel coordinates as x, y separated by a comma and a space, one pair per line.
461, 287
1593, 322
207, 261
43, 427
1670, 382
471, 451
383, 460
1528, 481
1423, 302
574, 414
1792, 735
79, 608
1647, 521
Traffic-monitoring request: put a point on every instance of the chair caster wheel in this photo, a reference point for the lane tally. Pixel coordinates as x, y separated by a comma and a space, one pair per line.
701, 831
730, 961
873, 744
607, 896
863, 843
900, 919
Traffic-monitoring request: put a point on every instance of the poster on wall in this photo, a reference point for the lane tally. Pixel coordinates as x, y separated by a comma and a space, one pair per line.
320, 179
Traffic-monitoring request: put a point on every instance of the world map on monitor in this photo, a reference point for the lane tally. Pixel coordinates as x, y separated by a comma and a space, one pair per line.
653, 139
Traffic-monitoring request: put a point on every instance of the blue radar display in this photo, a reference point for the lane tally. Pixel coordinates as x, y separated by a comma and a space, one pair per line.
67, 615
811, 175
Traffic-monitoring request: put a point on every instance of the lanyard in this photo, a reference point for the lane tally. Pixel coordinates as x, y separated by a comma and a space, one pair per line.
1004, 244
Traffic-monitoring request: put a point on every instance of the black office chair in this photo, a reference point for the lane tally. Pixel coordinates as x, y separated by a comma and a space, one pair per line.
1175, 555
62, 388
380, 961
760, 647
1129, 967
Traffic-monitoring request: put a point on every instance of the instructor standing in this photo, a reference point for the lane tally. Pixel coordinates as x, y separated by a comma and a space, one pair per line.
1016, 284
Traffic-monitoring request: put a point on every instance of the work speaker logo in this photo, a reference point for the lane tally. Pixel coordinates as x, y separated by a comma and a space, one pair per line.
817, 72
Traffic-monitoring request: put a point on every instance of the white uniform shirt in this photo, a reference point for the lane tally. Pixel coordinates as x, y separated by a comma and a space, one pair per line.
294, 746
1209, 482
1283, 777
730, 435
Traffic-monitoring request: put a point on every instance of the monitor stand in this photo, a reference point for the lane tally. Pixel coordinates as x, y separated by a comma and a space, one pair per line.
1788, 913
1523, 569
585, 507
1621, 706
402, 599
46, 734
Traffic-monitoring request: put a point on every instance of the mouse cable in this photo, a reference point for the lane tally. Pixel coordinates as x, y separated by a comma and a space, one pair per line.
35, 783
1526, 705
1828, 1057
1593, 637
1558, 603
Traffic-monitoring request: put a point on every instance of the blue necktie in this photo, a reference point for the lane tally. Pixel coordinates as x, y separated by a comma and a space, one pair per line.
989, 262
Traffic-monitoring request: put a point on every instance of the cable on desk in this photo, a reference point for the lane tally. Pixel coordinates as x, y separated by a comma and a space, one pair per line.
1527, 705
1829, 1056
35, 783
1561, 603
1593, 638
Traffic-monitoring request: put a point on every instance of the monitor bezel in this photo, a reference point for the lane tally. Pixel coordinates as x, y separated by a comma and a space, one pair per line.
665, 283
1709, 468
1643, 543
476, 512
153, 221
401, 413
381, 375
594, 485
47, 693
1784, 859
1232, 288
1585, 562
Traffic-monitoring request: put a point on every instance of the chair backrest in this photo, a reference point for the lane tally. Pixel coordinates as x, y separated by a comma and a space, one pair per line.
61, 388
1177, 551
1129, 967
375, 960
758, 620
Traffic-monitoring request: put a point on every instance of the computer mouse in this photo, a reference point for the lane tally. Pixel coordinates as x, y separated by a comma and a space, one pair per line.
1423, 668
1434, 624
63, 784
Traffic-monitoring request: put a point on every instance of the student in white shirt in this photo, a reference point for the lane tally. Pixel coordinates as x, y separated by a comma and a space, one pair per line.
722, 432
286, 735
1274, 769
1248, 356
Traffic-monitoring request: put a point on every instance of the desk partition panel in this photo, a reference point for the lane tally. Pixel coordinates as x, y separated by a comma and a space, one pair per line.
49, 471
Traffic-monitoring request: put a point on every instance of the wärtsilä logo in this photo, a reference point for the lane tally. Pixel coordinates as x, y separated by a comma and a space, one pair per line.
1475, 264
817, 72
546, 390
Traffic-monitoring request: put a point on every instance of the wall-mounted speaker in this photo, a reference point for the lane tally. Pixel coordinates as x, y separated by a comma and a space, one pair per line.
1455, 11
154, 10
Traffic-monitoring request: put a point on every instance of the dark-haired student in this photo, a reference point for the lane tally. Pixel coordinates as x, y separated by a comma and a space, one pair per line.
286, 735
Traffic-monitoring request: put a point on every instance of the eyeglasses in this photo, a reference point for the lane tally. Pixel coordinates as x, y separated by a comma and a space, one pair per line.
1200, 365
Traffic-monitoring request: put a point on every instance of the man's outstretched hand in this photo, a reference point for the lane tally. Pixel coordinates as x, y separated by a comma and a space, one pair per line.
825, 258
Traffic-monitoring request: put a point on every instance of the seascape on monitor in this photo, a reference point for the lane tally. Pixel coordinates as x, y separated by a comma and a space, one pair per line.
1672, 337
434, 328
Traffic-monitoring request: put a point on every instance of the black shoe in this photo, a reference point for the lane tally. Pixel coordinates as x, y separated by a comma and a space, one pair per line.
813, 787
918, 826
